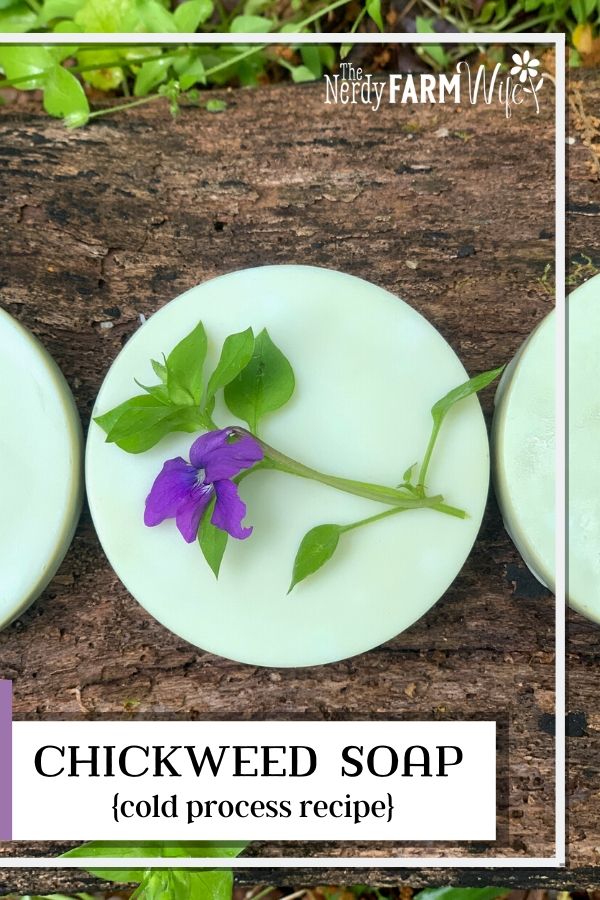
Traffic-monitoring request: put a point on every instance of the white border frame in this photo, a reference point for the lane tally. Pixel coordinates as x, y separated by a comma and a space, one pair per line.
559, 859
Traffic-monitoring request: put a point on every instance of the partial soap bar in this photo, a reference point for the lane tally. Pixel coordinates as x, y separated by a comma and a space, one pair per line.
40, 468
524, 449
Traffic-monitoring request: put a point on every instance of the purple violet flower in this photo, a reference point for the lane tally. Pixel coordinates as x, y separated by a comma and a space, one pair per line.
183, 490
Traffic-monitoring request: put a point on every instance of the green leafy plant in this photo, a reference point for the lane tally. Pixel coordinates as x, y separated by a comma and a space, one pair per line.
73, 78
320, 543
172, 883
577, 18
68, 75
255, 379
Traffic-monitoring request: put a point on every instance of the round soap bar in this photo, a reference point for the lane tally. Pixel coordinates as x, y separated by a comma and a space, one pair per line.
40, 471
368, 370
524, 448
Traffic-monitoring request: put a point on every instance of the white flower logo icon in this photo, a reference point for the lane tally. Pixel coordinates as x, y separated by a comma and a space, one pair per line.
524, 66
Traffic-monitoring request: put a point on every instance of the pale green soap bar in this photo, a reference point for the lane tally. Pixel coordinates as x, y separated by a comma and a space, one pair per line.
40, 468
524, 449
368, 369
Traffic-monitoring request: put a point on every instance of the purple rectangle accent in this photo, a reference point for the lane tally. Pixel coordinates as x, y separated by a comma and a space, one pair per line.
5, 760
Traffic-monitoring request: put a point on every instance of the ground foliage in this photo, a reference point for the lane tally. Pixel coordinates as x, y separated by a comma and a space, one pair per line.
77, 83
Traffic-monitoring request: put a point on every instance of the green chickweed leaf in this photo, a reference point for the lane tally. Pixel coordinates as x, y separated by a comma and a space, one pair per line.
236, 354
255, 7
188, 15
29, 63
212, 540
316, 548
60, 9
160, 370
254, 24
137, 430
311, 58
108, 420
17, 18
435, 52
184, 368
150, 75
327, 54
154, 17
194, 73
263, 386
301, 74
141, 422
148, 849
182, 884
65, 98
104, 76
374, 11
60, 52
158, 391
108, 15
472, 386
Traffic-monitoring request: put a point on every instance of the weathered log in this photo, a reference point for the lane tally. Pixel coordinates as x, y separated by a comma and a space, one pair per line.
451, 209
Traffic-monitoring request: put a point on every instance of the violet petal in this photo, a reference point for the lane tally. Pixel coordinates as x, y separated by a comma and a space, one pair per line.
190, 511
221, 458
172, 485
207, 444
229, 510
